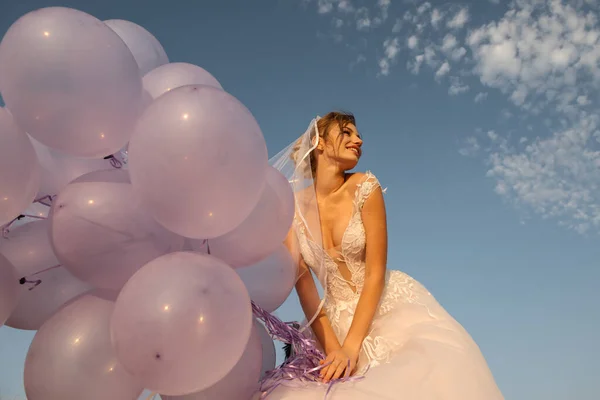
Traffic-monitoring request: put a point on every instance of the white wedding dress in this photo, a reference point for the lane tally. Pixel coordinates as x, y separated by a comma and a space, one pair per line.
415, 349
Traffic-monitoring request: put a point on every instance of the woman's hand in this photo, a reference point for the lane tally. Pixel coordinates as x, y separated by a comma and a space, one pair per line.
341, 362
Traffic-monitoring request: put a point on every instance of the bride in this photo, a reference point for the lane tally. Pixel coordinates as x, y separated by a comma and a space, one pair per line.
370, 321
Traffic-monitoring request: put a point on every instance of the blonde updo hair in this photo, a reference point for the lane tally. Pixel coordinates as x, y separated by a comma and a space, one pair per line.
341, 118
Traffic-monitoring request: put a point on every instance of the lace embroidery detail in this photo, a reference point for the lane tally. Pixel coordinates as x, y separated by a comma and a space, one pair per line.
342, 300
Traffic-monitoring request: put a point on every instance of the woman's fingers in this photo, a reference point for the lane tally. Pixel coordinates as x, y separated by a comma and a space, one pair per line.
340, 370
332, 370
326, 361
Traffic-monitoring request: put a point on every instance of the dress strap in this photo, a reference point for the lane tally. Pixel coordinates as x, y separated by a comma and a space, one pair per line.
365, 188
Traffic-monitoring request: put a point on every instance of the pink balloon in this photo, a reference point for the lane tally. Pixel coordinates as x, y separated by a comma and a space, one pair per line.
70, 81
263, 231
181, 323
270, 281
101, 234
58, 169
240, 383
268, 348
9, 289
71, 356
146, 49
19, 169
198, 160
174, 75
28, 249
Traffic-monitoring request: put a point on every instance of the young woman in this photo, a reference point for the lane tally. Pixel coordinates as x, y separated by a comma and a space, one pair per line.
371, 321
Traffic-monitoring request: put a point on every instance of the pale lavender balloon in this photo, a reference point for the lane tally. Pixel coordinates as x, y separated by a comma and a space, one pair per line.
101, 234
28, 249
270, 281
181, 323
58, 169
171, 76
19, 169
198, 160
146, 49
240, 383
70, 81
263, 231
9, 288
268, 348
71, 356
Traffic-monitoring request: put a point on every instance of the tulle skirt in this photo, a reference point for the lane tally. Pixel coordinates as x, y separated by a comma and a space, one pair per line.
414, 351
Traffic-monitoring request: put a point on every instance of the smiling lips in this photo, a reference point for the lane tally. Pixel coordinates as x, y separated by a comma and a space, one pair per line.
355, 149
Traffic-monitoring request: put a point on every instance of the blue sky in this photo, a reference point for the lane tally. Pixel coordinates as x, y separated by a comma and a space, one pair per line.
480, 118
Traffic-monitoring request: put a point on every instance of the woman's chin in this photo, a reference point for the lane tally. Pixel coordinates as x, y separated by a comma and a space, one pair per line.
349, 164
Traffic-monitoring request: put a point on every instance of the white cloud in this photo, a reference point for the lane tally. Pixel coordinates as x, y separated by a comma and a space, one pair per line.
481, 97
423, 7
384, 6
415, 66
459, 20
542, 53
412, 42
451, 49
457, 86
345, 6
384, 66
391, 49
556, 177
442, 71
583, 100
325, 6
363, 21
436, 17
449, 43
471, 147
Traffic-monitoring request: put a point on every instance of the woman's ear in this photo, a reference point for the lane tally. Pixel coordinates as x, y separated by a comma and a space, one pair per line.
319, 143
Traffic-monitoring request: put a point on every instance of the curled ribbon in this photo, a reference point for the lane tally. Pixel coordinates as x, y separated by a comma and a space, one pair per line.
305, 362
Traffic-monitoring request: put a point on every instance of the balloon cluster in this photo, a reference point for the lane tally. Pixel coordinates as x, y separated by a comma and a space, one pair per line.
139, 215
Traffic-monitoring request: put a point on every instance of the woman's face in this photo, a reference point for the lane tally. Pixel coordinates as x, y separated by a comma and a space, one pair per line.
343, 146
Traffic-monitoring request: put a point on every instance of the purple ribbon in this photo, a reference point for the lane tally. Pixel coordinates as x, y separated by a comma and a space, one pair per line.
305, 362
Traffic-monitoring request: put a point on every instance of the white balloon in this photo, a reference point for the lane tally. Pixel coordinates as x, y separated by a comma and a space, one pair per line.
268, 348
70, 81
171, 76
28, 249
19, 169
146, 49
270, 281
241, 382
58, 169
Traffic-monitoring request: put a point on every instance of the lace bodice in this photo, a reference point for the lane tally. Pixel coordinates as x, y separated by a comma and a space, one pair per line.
351, 250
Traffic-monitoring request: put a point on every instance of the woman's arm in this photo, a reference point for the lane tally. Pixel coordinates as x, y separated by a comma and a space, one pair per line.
309, 299
344, 360
374, 221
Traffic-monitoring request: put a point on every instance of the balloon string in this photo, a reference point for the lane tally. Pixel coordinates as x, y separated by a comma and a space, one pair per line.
115, 162
36, 282
42, 200
6, 228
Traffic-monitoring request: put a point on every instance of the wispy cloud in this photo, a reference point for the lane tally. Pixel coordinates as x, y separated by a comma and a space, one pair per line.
459, 20
556, 177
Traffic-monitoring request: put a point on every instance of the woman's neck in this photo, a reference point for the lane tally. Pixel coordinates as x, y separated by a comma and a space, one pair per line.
328, 178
